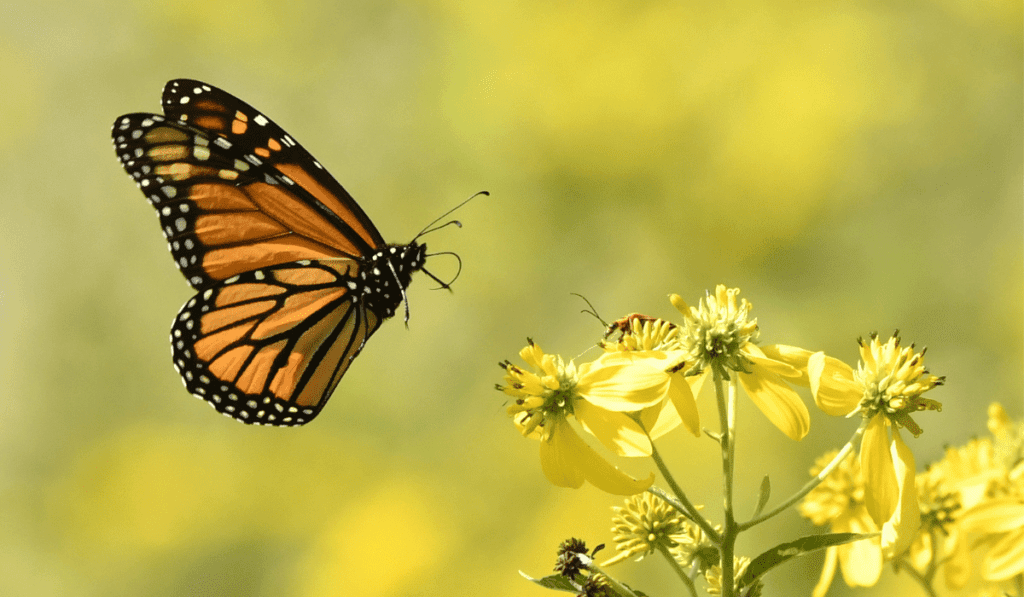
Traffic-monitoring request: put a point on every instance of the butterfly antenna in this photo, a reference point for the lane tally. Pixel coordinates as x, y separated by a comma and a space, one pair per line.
445, 285
455, 223
427, 229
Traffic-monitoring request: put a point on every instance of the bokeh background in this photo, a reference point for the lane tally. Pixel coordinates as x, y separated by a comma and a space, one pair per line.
853, 166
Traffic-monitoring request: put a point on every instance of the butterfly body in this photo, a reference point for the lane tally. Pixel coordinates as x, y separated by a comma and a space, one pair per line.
291, 275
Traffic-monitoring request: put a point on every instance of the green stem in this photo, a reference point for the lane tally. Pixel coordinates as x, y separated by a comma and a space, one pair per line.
921, 580
727, 424
684, 505
679, 570
812, 483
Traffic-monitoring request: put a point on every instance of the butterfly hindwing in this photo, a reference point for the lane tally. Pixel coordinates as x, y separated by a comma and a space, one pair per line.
269, 346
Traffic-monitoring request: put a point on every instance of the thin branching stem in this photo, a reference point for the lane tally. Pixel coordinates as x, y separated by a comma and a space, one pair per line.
921, 579
683, 576
684, 505
854, 440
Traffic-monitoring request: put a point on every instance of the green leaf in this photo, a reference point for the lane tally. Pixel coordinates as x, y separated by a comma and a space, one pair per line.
555, 582
762, 498
786, 551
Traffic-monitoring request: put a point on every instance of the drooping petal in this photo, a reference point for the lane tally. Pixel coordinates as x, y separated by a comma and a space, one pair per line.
682, 398
557, 457
899, 531
881, 492
861, 561
778, 402
828, 572
659, 419
832, 385
615, 430
567, 460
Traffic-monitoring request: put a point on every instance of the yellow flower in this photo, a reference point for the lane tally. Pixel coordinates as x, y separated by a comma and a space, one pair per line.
717, 334
641, 332
601, 395
886, 389
1008, 435
1000, 521
839, 502
713, 576
644, 525
940, 542
649, 337
998, 516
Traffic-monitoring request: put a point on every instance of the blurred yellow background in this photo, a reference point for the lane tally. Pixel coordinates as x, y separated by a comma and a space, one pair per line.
851, 166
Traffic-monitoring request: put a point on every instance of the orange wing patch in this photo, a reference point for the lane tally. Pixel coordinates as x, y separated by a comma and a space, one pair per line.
270, 345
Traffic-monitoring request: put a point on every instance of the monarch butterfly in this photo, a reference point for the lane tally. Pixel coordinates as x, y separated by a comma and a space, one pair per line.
291, 275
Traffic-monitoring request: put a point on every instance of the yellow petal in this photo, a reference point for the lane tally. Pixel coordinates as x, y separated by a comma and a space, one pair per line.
995, 516
957, 568
622, 382
754, 353
832, 385
659, 419
697, 381
557, 459
900, 529
828, 572
792, 356
861, 561
778, 402
881, 491
681, 396
615, 430
566, 450
921, 551
1005, 559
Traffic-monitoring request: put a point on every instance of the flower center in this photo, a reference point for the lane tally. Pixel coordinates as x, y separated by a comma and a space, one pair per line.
716, 331
540, 395
894, 380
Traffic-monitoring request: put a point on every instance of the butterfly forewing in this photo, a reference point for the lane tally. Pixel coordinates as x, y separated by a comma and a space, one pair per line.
262, 141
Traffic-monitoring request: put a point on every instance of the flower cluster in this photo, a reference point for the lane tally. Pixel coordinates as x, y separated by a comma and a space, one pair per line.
971, 499
644, 384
